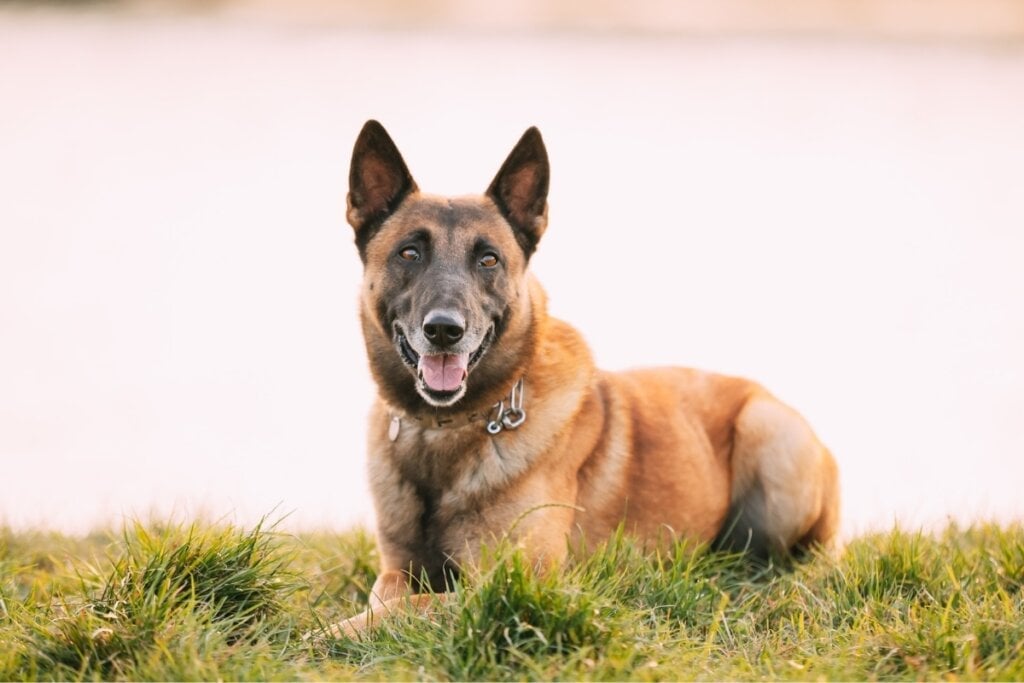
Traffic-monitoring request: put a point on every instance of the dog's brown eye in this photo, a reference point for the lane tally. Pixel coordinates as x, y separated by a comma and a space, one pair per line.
410, 254
489, 261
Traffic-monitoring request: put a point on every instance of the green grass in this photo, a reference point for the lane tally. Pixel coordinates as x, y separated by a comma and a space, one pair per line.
207, 601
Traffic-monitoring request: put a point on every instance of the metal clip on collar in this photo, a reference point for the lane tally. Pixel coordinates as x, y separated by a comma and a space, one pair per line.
514, 415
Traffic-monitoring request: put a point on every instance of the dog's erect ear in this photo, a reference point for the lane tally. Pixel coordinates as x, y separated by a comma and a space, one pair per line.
521, 189
378, 181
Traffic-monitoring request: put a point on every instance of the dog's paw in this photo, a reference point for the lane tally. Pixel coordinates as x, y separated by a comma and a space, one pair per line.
352, 628
356, 627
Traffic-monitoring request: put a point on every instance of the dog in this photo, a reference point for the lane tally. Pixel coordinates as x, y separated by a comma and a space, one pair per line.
493, 422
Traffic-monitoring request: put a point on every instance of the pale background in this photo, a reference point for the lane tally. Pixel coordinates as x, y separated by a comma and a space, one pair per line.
827, 198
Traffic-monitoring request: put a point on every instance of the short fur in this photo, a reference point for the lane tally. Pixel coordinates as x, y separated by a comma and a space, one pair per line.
697, 454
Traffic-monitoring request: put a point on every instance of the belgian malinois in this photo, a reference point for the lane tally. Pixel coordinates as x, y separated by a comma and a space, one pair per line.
492, 420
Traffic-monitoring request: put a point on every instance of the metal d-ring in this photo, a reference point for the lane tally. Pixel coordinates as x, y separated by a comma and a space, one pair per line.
494, 426
511, 422
513, 416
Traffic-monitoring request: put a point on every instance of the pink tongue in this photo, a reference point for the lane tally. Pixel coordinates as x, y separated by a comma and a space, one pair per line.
444, 372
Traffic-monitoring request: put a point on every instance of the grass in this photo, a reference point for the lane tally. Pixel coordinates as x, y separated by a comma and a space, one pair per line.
209, 602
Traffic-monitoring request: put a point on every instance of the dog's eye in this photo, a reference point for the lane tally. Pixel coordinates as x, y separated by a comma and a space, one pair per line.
410, 254
489, 260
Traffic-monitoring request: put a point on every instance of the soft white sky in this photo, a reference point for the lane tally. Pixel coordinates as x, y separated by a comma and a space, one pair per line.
841, 221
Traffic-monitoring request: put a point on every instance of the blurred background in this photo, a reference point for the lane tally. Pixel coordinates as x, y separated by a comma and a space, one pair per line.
824, 195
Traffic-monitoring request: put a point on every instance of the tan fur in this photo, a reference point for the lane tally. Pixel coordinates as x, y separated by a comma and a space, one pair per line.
669, 452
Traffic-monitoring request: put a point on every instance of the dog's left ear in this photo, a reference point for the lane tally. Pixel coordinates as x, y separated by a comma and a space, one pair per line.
378, 182
520, 190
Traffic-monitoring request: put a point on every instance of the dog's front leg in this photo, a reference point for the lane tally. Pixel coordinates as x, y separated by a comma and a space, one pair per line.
391, 584
389, 588
391, 592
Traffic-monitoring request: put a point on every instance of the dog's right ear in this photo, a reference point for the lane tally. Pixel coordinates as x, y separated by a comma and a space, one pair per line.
520, 190
378, 181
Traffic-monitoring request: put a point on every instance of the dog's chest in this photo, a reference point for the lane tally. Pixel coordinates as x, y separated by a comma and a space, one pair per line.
459, 468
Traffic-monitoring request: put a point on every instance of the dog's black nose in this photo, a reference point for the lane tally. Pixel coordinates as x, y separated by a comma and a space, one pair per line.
444, 328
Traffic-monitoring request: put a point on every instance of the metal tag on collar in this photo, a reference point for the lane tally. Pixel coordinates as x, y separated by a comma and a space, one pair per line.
396, 424
513, 416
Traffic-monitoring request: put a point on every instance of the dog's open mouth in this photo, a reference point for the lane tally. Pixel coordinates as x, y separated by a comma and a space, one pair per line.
441, 376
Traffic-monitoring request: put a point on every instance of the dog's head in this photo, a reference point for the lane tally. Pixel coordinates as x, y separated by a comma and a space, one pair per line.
444, 278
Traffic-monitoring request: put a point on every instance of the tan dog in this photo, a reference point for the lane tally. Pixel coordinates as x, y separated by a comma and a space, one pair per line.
493, 420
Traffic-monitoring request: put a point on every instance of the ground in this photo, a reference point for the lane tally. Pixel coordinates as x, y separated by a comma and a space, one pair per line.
172, 602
